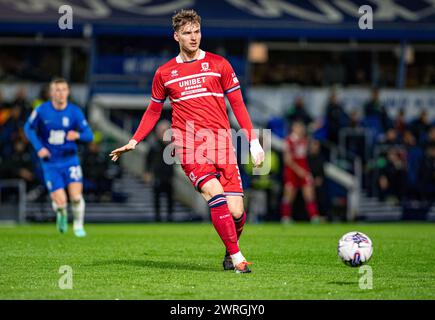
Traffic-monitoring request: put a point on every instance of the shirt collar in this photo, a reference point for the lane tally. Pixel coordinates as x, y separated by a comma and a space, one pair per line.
200, 57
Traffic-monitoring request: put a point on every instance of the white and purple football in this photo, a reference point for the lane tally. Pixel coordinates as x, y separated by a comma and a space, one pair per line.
355, 248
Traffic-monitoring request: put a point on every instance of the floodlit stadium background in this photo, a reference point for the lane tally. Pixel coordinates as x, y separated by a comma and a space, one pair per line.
285, 53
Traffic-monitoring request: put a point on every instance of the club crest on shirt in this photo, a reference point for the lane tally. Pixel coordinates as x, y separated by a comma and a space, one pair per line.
205, 66
65, 121
192, 177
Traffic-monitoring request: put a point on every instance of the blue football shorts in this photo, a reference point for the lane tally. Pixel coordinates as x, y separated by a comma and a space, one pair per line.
59, 175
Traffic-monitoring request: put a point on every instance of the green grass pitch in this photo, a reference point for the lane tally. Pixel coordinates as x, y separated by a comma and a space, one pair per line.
183, 261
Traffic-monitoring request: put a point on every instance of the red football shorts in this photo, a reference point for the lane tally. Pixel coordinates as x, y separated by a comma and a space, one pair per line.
226, 170
295, 181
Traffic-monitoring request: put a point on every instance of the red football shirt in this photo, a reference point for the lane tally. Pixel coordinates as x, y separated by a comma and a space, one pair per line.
298, 148
196, 91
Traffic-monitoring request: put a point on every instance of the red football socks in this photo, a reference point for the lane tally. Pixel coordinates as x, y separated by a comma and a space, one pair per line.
223, 222
239, 223
312, 209
286, 209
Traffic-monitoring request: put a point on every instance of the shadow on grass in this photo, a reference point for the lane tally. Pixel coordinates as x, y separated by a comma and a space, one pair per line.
189, 266
344, 283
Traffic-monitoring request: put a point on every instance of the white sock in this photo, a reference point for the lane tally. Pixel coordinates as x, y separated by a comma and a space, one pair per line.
237, 258
57, 209
78, 210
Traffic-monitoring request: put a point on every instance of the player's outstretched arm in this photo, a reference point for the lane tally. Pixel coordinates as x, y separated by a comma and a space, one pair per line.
131, 145
149, 120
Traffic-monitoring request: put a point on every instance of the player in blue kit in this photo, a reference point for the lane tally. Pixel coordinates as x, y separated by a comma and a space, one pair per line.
53, 129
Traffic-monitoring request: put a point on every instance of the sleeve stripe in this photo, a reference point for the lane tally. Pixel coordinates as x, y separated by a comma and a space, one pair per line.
158, 100
232, 89
33, 116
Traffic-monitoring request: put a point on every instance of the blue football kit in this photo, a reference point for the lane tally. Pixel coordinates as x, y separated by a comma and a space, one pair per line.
48, 128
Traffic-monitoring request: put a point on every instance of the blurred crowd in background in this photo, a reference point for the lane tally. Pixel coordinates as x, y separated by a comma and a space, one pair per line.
18, 159
398, 157
397, 154
305, 68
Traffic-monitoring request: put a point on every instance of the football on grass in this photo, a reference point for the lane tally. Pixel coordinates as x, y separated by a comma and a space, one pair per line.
355, 248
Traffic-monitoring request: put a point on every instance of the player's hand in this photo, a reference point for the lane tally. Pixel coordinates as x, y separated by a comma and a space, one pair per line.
115, 154
257, 152
72, 135
302, 173
44, 153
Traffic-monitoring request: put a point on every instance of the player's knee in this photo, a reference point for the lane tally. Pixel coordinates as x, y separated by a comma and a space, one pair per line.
237, 213
58, 203
308, 195
288, 193
286, 198
236, 209
208, 193
309, 199
76, 199
211, 188
58, 198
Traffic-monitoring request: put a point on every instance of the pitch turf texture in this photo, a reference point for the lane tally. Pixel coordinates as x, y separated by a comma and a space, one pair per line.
184, 261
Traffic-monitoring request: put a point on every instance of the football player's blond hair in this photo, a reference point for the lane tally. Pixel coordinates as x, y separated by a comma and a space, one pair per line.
184, 17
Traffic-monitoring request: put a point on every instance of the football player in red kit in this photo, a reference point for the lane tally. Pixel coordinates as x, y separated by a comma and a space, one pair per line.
297, 174
196, 83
